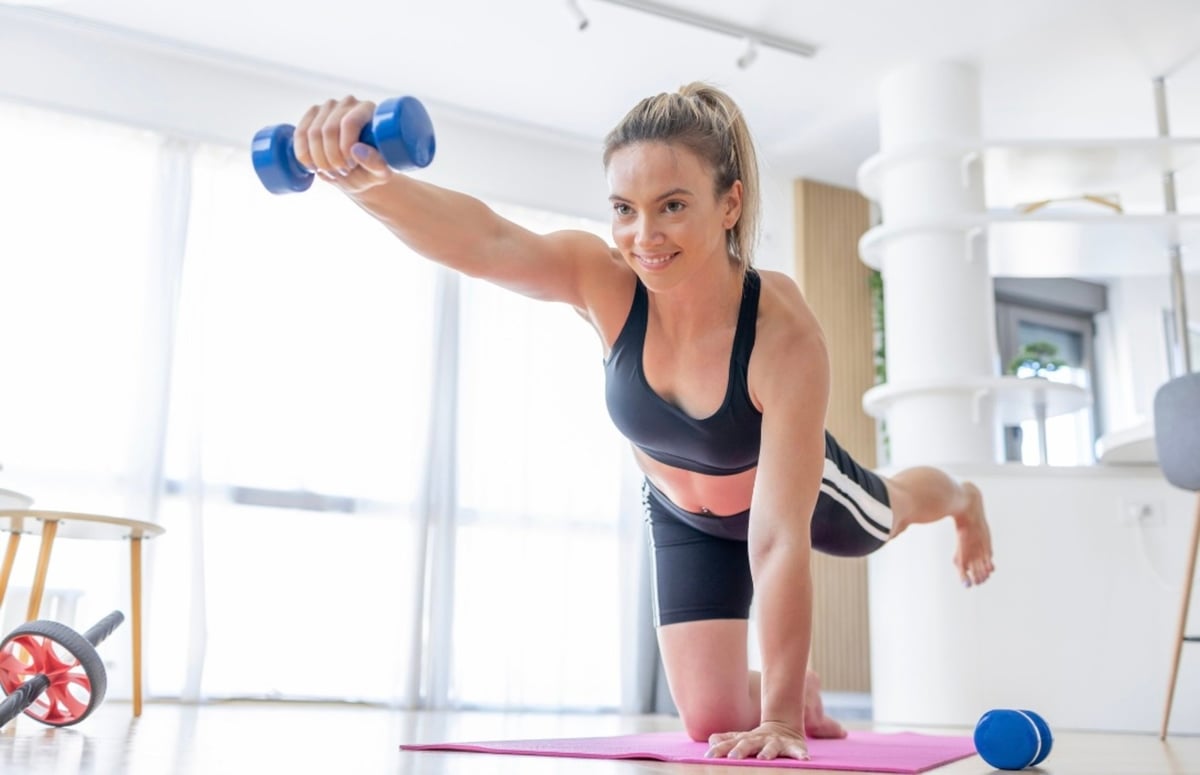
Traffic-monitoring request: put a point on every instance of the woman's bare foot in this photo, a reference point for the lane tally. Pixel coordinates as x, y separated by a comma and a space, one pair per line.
974, 555
816, 723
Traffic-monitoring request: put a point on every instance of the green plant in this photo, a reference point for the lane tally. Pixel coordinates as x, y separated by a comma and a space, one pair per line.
1039, 357
875, 283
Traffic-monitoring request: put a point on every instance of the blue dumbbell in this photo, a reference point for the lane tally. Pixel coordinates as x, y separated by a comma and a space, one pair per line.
1013, 739
400, 130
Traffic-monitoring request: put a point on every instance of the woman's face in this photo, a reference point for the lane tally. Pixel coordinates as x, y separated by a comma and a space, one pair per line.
667, 221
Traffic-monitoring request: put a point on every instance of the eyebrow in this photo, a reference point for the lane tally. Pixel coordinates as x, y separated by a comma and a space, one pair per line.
667, 195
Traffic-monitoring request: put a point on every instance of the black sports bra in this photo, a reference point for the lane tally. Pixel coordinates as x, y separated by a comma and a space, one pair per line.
726, 442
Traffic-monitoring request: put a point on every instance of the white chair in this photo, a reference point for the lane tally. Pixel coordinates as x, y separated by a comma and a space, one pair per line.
1177, 438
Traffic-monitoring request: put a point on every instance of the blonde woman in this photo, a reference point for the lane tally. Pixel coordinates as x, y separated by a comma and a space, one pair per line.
718, 375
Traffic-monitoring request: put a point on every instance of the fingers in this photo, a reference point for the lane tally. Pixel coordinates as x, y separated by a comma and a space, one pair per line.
796, 750
368, 159
771, 749
745, 745
719, 745
327, 133
791, 749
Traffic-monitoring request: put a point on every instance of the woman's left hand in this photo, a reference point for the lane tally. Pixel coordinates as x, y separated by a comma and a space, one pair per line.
767, 741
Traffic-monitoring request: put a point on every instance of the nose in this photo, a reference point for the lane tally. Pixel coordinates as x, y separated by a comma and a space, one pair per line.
648, 234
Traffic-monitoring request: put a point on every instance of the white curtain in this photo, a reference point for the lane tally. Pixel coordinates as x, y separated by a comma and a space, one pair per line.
380, 482
538, 549
79, 211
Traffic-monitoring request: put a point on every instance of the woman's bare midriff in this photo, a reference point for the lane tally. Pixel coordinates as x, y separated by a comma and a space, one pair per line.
720, 496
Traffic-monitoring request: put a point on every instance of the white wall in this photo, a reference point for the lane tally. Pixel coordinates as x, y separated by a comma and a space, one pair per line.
98, 73
777, 247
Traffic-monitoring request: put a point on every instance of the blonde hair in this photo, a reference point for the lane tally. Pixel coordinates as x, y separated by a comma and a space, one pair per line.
706, 121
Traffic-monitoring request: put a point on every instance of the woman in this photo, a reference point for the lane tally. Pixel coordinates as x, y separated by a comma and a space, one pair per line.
718, 375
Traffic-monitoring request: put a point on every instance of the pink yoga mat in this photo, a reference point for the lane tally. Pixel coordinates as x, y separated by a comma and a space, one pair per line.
861, 751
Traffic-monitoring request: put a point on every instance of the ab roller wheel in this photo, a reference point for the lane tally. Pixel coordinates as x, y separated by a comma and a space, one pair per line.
52, 673
400, 130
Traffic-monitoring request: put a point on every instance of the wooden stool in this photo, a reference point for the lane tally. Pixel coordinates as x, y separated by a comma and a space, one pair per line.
67, 524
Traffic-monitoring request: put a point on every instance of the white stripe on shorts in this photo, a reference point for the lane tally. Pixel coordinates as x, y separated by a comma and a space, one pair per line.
653, 555
860, 501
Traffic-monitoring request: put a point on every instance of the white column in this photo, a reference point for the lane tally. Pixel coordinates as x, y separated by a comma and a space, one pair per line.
938, 315
938, 310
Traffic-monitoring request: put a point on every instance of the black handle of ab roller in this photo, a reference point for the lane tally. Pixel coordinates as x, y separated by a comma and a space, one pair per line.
103, 628
22, 697
400, 130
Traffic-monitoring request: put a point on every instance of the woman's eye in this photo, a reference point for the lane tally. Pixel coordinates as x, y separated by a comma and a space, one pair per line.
674, 207
622, 209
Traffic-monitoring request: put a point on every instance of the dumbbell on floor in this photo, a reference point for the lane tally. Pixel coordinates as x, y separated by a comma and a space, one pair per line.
400, 130
52, 673
1013, 739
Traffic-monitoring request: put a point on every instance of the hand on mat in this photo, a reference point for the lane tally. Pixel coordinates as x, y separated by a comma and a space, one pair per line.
768, 741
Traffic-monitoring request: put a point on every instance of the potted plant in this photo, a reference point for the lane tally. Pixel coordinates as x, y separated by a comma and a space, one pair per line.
1041, 358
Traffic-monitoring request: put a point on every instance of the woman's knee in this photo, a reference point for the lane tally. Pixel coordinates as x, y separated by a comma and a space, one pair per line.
704, 715
708, 675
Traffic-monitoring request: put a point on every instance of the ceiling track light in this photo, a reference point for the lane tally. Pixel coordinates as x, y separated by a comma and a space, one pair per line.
581, 19
749, 55
755, 37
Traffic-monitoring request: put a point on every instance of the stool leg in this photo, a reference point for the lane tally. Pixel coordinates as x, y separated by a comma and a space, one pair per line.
135, 583
1181, 631
10, 555
49, 529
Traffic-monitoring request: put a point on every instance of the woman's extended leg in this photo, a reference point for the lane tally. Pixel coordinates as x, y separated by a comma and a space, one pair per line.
713, 687
924, 494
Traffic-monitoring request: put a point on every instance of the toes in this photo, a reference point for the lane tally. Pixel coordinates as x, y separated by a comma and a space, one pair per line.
826, 728
980, 571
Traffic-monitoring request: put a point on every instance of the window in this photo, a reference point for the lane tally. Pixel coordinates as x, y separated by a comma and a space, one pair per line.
291, 381
1058, 312
539, 466
299, 409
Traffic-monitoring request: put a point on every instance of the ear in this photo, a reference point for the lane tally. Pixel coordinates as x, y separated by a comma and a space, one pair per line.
731, 203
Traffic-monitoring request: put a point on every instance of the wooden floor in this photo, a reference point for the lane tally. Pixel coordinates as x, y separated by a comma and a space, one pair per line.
290, 738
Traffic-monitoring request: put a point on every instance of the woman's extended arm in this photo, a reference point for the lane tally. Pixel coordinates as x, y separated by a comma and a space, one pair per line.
451, 228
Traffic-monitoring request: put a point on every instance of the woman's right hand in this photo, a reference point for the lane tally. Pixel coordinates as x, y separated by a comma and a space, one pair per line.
326, 141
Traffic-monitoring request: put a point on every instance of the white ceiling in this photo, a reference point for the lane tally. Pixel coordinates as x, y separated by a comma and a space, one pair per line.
1056, 68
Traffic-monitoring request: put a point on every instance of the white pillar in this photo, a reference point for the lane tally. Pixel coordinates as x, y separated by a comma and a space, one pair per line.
938, 309
938, 316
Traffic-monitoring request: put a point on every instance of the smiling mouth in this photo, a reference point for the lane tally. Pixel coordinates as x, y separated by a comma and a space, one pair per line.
656, 261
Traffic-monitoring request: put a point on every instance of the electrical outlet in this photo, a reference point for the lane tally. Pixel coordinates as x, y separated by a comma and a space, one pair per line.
1147, 513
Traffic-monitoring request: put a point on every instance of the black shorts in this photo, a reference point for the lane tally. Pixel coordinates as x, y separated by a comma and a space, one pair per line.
701, 563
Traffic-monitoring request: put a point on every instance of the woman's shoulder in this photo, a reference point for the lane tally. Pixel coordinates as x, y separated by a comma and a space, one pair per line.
789, 346
599, 268
782, 310
606, 282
